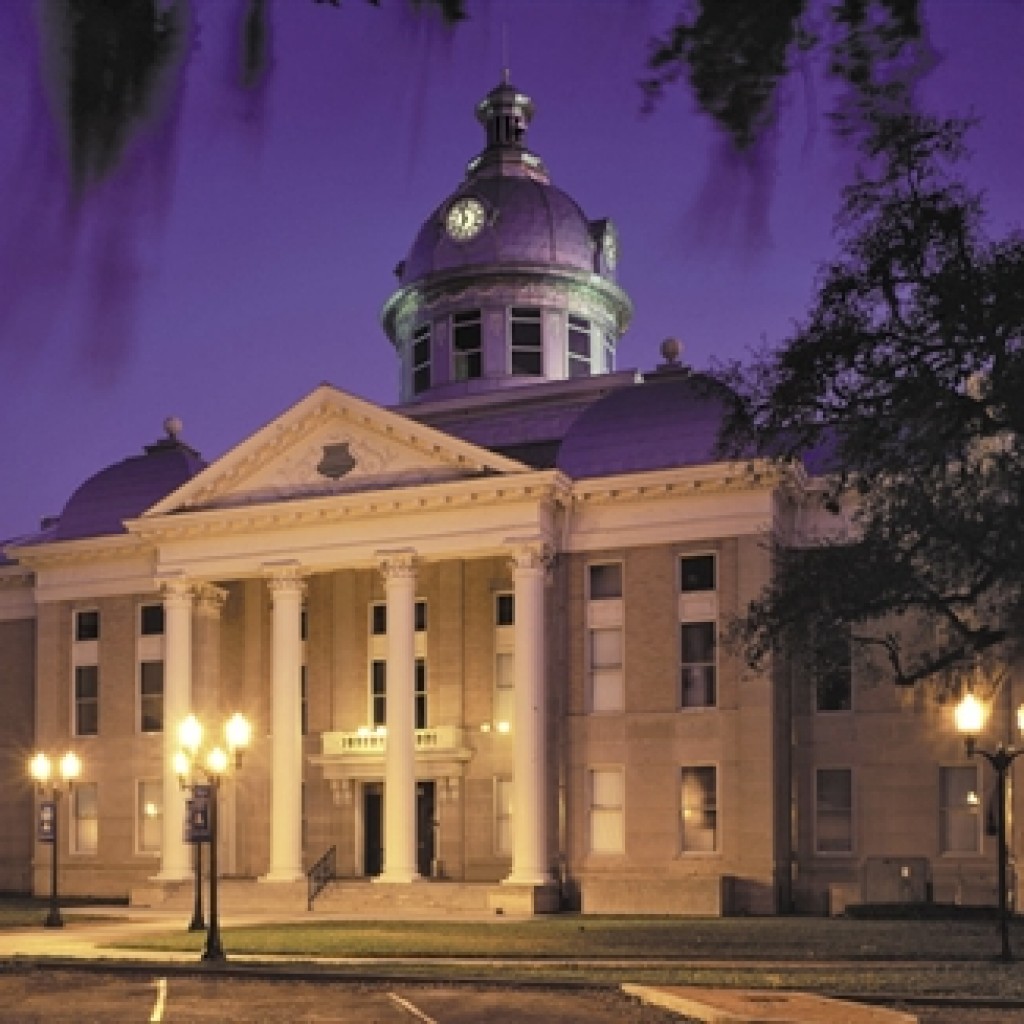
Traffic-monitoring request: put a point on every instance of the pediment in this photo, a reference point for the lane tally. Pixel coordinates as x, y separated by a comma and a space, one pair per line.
332, 443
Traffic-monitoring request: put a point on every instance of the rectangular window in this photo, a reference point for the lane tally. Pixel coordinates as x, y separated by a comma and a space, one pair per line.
525, 345
421, 359
420, 616
579, 346
87, 700
833, 671
505, 610
378, 619
606, 669
605, 581
698, 665
87, 625
304, 624
151, 620
697, 574
959, 810
698, 809
467, 345
833, 810
503, 816
607, 834
151, 696
421, 694
378, 692
149, 811
84, 818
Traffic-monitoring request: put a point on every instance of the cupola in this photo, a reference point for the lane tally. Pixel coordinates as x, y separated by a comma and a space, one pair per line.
507, 282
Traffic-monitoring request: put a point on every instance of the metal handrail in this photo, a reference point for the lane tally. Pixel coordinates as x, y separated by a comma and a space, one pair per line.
320, 874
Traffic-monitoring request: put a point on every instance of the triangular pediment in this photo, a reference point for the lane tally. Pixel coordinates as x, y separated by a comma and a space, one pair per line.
332, 443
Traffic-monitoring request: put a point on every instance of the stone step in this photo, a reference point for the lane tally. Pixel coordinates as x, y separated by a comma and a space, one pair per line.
361, 897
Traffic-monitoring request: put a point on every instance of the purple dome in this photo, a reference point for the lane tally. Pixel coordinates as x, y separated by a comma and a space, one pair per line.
126, 489
666, 422
530, 221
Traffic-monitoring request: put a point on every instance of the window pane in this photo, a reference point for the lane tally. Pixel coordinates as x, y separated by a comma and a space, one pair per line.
420, 616
606, 689
698, 642
379, 619
87, 625
151, 696
833, 671
698, 810
87, 687
606, 818
697, 574
834, 810
605, 581
504, 687
421, 694
85, 818
378, 692
151, 620
605, 647
505, 610
959, 810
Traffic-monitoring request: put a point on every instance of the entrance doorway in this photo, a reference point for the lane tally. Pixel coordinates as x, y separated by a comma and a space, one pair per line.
373, 829
426, 829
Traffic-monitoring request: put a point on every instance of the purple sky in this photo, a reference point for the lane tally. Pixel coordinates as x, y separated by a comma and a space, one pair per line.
242, 255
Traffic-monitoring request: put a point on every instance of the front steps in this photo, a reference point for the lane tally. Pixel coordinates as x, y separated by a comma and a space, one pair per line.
359, 898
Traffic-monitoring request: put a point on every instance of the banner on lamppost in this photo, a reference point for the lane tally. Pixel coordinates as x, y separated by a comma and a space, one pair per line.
47, 821
197, 816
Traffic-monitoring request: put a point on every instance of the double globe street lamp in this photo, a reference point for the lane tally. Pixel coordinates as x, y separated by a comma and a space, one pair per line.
969, 716
40, 768
213, 763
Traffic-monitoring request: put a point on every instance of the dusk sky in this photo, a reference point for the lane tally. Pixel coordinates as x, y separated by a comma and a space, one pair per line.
242, 254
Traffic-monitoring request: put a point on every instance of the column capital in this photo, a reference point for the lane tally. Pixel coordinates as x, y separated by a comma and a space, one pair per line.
284, 577
210, 599
530, 555
177, 590
398, 564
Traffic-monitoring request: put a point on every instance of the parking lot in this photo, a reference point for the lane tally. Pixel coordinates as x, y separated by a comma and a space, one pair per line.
85, 997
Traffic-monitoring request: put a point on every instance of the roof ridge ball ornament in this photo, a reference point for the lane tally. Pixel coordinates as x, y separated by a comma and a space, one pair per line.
173, 428
671, 352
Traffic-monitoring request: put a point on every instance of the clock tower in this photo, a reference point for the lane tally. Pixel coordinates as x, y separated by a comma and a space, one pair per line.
507, 282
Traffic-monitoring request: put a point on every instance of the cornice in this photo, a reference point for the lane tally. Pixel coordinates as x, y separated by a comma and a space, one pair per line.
716, 478
547, 486
87, 550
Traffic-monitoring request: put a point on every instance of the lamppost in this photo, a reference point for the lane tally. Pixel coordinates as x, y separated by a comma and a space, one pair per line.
214, 765
190, 735
39, 768
969, 716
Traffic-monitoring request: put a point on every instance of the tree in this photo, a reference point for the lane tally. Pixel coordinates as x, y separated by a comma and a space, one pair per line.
735, 55
906, 380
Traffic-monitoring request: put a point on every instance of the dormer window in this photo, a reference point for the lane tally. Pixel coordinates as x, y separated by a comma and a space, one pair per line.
421, 359
467, 345
525, 343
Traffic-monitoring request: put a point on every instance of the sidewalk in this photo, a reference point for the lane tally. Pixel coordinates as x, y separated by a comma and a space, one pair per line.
83, 944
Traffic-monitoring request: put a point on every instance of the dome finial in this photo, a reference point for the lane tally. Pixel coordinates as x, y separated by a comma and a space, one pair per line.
173, 428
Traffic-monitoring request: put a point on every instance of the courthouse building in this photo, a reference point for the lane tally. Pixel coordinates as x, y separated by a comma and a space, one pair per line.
479, 634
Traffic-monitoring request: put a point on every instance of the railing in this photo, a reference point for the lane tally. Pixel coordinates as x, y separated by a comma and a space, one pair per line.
322, 872
373, 742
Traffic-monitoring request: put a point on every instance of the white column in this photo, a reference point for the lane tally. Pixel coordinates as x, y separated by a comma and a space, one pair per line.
175, 854
399, 571
286, 589
529, 736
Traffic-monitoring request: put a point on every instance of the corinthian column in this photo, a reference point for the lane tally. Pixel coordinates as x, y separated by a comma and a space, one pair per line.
399, 571
175, 857
286, 590
529, 799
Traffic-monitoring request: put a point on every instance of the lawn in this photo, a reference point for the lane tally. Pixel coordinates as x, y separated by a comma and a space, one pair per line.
814, 954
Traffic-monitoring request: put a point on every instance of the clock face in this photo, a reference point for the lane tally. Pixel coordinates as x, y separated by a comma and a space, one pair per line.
465, 218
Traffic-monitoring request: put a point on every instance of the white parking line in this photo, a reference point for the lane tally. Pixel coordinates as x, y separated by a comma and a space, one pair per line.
161, 1001
409, 1008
